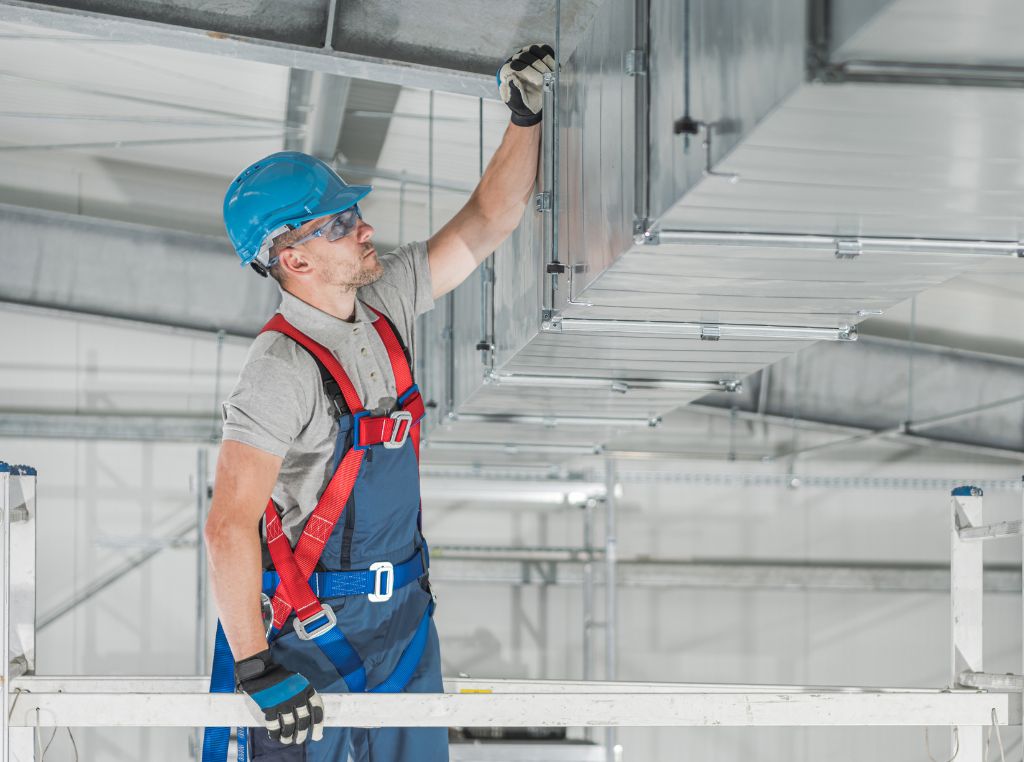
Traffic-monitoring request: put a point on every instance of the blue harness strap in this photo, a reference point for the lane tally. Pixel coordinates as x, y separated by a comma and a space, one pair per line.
222, 680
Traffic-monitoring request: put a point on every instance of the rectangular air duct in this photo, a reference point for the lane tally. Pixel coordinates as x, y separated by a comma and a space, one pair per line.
681, 253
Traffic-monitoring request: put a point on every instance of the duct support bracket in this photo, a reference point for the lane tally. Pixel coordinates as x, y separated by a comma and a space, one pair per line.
687, 125
551, 320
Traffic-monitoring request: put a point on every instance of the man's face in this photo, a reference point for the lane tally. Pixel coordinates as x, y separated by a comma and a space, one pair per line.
348, 262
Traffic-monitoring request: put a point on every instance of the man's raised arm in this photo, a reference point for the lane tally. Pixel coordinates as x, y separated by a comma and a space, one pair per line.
496, 206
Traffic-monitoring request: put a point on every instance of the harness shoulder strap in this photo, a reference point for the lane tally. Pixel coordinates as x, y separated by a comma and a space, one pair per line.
324, 358
397, 353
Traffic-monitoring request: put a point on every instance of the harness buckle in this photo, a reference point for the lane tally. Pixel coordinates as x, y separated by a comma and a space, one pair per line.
400, 433
384, 569
300, 625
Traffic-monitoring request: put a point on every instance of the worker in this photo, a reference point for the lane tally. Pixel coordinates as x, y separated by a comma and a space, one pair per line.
321, 448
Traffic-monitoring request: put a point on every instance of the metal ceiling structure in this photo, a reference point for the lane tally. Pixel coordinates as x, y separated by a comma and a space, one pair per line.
709, 205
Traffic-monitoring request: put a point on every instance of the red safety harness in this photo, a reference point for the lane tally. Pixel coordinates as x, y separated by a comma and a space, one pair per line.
295, 567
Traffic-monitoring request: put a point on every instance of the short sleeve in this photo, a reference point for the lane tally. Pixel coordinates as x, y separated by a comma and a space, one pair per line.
407, 271
268, 407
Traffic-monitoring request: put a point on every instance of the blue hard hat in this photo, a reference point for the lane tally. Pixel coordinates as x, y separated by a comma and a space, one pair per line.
281, 192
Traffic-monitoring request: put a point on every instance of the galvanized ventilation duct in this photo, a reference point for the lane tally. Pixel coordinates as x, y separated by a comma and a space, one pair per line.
704, 212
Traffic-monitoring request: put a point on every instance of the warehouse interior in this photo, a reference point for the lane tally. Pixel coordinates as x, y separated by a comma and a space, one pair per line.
696, 421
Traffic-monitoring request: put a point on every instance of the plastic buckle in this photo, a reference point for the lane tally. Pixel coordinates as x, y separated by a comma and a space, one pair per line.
380, 569
356, 444
399, 434
304, 634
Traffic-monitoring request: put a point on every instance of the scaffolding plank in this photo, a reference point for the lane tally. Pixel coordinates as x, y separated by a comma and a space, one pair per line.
683, 708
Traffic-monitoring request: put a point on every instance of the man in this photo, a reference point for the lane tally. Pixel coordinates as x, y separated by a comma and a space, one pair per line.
321, 443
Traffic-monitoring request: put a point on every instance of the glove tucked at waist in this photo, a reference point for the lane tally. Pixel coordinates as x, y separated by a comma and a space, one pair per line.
521, 82
285, 703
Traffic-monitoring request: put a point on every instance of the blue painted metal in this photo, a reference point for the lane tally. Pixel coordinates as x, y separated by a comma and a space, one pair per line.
967, 491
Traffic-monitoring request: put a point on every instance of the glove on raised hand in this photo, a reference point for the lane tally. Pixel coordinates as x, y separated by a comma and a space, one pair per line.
287, 704
521, 82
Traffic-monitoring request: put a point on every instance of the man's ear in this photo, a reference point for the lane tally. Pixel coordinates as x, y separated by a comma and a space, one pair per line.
294, 261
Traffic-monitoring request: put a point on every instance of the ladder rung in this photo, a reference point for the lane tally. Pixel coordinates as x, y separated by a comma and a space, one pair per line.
991, 531
990, 681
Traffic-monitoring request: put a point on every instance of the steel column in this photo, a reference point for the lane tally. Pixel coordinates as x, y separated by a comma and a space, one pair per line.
966, 608
611, 611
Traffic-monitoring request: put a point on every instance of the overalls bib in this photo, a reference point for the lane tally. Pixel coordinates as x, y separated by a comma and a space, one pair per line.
350, 603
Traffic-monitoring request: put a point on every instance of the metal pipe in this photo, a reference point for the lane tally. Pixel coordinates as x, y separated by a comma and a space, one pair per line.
899, 436
332, 13
991, 531
588, 599
912, 73
145, 142
611, 591
5, 603
991, 682
796, 240
724, 574
105, 581
403, 177
401, 210
617, 385
515, 448
710, 331
561, 420
555, 141
911, 427
524, 553
202, 487
81, 89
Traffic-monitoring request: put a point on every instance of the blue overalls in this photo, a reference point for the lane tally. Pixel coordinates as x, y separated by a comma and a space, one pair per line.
364, 620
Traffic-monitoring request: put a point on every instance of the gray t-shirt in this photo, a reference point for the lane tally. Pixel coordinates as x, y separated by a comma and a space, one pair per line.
279, 404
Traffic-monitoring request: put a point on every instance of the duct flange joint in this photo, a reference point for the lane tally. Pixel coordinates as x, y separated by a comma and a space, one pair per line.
636, 62
560, 268
710, 332
542, 201
848, 248
551, 320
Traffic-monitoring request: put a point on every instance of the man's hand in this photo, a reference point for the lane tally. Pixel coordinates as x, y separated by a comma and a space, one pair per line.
521, 82
289, 706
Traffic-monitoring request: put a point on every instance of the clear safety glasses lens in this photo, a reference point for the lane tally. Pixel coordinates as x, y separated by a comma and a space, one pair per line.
339, 226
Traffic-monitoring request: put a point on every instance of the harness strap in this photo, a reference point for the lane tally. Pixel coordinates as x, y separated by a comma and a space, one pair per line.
295, 567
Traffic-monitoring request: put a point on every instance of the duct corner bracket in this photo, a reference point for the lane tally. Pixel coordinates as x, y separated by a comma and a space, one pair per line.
551, 320
542, 202
644, 234
847, 333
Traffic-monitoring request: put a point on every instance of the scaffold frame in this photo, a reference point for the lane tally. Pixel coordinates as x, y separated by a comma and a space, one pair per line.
33, 702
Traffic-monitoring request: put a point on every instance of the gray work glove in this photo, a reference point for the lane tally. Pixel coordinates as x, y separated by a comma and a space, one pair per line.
284, 701
521, 82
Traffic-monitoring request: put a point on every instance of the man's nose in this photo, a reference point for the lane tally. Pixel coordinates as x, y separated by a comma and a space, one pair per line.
364, 232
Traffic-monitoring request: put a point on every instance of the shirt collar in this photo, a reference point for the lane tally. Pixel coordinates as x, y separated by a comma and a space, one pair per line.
318, 325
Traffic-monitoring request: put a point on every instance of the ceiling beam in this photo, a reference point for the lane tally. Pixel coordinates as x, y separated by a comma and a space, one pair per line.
301, 44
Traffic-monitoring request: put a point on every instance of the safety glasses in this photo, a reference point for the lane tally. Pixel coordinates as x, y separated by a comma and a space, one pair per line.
338, 226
